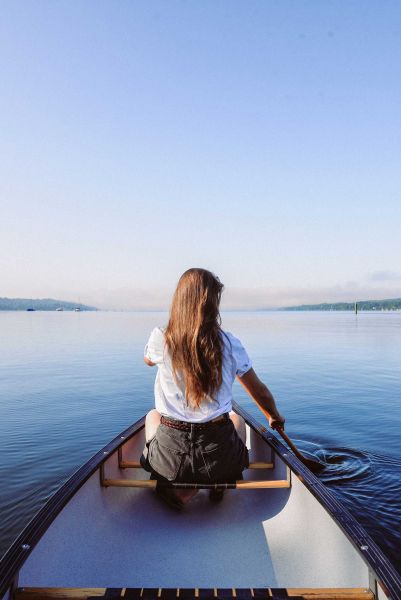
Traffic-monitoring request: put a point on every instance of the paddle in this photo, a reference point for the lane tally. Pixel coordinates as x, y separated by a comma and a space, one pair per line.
314, 465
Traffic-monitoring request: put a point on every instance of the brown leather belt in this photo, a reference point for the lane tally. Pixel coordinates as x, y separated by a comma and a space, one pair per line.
186, 426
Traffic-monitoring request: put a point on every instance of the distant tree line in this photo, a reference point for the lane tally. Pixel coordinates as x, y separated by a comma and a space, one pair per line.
393, 304
42, 304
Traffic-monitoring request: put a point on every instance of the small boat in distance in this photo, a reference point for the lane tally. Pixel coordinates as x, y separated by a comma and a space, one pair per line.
77, 309
278, 533
31, 309
59, 309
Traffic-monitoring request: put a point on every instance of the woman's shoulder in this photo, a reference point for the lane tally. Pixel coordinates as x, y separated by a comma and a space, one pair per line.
230, 337
157, 335
159, 330
238, 352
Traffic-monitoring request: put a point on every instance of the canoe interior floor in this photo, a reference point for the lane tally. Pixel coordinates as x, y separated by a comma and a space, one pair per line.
258, 538
193, 594
130, 536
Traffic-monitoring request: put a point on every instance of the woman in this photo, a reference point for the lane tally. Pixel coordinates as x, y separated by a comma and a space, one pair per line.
193, 435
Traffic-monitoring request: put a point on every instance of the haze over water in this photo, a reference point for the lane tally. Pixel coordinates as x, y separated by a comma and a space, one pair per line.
69, 382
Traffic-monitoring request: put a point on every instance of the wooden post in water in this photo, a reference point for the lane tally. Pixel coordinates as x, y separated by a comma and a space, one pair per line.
356, 308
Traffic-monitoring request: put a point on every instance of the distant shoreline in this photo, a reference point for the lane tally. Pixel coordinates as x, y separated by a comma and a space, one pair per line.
224, 311
54, 305
42, 304
392, 304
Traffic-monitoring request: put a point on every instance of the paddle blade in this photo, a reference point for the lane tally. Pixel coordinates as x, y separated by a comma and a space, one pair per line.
313, 465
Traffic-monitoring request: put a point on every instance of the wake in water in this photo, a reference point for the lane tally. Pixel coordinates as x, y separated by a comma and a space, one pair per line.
340, 463
344, 464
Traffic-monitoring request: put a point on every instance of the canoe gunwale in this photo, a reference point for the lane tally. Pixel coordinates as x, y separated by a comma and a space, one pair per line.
378, 564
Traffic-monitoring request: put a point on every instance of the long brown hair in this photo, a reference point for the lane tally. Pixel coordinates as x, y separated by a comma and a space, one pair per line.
193, 334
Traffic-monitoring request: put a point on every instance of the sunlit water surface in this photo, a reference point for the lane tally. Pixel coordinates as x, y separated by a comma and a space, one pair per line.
70, 382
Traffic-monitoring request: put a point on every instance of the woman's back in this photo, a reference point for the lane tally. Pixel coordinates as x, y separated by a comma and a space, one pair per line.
170, 394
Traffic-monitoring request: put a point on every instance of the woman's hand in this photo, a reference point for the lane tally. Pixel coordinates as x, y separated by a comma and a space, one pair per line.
277, 422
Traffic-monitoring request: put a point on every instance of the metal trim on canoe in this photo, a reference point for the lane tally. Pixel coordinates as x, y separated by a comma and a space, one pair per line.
381, 568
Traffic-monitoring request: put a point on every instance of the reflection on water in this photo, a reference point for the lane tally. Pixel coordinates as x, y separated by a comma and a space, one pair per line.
70, 382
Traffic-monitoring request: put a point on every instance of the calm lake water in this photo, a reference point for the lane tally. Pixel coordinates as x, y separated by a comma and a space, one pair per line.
69, 382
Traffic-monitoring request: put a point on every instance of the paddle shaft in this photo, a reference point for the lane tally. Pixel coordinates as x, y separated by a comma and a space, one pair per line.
291, 445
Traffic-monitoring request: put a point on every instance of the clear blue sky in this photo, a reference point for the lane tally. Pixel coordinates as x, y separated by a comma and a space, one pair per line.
259, 139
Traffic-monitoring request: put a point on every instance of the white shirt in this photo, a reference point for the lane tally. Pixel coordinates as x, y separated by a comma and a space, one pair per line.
170, 398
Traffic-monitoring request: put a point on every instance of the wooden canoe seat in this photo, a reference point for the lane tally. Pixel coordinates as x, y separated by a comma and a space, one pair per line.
238, 485
193, 594
153, 483
135, 464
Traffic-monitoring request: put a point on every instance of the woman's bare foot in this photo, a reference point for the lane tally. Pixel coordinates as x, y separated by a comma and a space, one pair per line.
185, 495
176, 499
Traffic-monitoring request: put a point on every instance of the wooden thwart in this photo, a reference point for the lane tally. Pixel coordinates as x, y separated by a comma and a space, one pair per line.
238, 485
193, 594
135, 464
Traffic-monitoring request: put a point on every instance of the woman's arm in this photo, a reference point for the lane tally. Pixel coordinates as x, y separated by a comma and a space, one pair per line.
148, 362
261, 394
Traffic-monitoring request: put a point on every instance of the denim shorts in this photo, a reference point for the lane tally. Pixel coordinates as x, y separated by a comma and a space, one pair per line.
215, 454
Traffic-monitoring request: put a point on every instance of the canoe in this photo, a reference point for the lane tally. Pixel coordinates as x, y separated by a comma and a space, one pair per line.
279, 534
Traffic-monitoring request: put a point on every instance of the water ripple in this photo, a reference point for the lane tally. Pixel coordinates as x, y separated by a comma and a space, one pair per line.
344, 464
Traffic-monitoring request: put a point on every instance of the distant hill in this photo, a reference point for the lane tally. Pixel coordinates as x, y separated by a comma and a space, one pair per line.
393, 304
40, 304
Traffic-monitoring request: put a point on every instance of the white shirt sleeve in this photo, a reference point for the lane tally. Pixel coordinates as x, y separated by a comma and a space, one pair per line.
154, 349
242, 361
